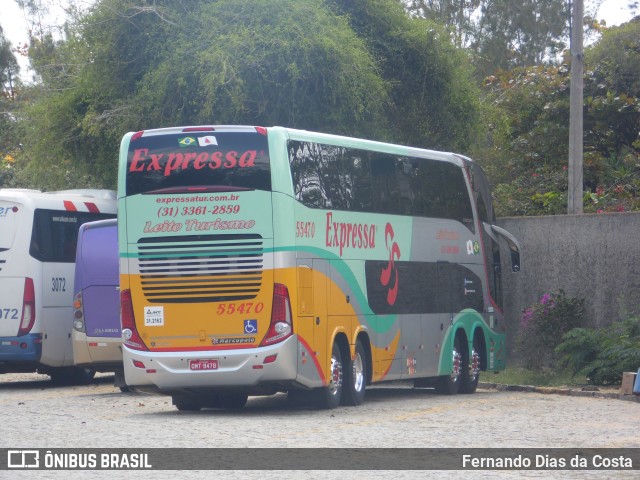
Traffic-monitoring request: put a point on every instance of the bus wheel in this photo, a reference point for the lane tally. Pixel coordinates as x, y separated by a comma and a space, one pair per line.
71, 375
329, 397
470, 376
355, 378
450, 384
185, 404
233, 401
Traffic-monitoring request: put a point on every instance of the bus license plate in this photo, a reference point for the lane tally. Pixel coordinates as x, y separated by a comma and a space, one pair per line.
197, 365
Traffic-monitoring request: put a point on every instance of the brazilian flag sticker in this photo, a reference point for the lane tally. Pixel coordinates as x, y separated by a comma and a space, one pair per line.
186, 141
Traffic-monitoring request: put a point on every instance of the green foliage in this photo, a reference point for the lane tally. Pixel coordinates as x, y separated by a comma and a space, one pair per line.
433, 99
525, 151
602, 355
541, 378
10, 86
518, 34
360, 68
9, 68
542, 326
501, 34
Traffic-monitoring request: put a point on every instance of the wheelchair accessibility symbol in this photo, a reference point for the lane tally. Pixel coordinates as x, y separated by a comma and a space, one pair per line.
251, 326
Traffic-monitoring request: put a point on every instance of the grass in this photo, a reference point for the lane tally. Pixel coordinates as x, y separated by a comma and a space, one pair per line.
521, 376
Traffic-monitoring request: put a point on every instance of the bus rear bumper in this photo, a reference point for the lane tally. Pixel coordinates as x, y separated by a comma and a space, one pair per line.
237, 369
26, 348
96, 350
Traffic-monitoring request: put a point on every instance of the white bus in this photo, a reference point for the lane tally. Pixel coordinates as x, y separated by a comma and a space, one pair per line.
38, 234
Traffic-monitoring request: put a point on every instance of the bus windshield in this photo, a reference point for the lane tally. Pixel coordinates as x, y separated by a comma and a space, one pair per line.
198, 161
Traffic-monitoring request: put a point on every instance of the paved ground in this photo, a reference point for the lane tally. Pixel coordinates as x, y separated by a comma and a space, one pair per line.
39, 415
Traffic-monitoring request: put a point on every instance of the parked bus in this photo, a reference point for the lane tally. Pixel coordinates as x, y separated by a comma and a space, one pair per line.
95, 337
261, 260
38, 234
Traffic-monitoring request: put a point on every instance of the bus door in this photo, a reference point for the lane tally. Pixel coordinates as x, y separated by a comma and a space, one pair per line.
312, 305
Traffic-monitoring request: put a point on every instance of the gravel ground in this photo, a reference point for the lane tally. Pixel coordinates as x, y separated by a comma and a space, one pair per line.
37, 414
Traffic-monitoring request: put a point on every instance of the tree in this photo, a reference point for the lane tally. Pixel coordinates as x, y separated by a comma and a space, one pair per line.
501, 34
137, 66
434, 103
9, 83
516, 34
526, 146
459, 16
9, 68
130, 64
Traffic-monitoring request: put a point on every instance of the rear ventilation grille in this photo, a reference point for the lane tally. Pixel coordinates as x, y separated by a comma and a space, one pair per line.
201, 268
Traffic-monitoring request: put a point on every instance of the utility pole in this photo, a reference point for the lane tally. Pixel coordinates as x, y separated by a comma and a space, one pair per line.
574, 200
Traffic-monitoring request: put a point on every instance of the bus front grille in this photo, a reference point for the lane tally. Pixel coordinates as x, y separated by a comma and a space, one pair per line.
200, 268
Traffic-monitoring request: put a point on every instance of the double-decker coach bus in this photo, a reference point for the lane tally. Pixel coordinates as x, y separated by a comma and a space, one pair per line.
38, 237
260, 260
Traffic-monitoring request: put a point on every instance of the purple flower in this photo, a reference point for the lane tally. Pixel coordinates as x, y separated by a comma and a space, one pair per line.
527, 316
544, 300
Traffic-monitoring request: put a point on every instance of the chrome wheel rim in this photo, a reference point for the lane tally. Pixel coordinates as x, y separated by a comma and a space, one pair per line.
358, 373
474, 366
336, 376
456, 358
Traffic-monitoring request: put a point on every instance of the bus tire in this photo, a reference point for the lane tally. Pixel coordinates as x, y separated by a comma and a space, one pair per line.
71, 375
355, 378
329, 397
184, 404
450, 384
233, 401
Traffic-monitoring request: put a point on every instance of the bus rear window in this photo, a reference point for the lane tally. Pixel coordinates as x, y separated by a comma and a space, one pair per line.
55, 233
198, 161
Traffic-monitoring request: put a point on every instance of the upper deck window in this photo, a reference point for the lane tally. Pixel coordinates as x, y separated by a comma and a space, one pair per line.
333, 177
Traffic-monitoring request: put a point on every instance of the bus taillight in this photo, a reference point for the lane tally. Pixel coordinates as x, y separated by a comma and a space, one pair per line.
130, 336
78, 313
28, 307
280, 327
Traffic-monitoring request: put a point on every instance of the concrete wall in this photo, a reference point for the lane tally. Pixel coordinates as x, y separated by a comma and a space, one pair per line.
595, 257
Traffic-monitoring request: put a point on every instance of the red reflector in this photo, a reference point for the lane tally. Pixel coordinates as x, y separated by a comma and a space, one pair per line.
199, 129
270, 359
93, 344
138, 363
69, 206
14, 344
258, 367
151, 371
137, 135
92, 207
23, 346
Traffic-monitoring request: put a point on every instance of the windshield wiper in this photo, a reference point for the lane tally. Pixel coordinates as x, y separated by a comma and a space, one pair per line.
199, 189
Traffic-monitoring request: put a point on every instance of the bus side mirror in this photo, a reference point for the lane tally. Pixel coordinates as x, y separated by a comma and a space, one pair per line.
515, 261
513, 244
